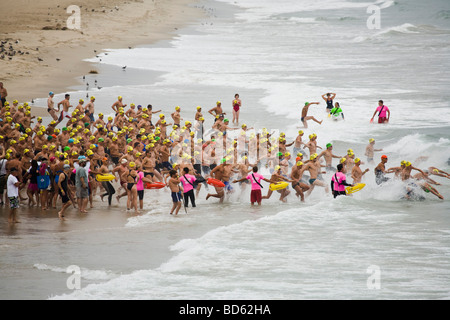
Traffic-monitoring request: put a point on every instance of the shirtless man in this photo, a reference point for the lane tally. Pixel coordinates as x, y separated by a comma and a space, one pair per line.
425, 185
312, 144
313, 166
223, 173
328, 156
121, 170
370, 150
148, 164
176, 116
223, 127
380, 171
199, 113
299, 184
298, 142
91, 109
51, 106
305, 116
217, 110
277, 177
397, 170
176, 191
131, 113
3, 94
66, 106
406, 173
357, 173
118, 104
243, 169
438, 172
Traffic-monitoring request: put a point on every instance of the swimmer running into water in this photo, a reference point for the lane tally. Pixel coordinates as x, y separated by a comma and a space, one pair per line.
305, 116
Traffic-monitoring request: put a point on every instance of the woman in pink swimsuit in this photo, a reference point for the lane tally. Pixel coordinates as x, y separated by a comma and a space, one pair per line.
236, 107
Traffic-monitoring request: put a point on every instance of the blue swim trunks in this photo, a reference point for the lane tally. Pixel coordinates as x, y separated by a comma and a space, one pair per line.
176, 196
228, 186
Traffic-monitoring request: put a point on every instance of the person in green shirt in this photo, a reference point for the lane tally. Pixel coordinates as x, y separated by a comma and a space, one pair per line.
336, 112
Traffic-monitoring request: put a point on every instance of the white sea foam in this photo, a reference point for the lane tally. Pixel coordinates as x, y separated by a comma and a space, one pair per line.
95, 275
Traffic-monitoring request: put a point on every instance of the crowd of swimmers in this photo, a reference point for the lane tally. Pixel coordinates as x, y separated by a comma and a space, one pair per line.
59, 163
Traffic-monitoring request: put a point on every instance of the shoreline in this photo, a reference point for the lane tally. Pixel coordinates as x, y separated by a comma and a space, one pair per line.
104, 25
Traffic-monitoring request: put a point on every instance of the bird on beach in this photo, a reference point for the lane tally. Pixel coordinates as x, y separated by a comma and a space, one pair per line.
124, 67
40, 59
57, 59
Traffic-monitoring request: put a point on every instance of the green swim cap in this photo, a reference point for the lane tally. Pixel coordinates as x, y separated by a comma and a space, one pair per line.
223, 160
329, 145
306, 103
279, 154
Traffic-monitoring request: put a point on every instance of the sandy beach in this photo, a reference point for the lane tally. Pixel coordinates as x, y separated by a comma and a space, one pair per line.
49, 56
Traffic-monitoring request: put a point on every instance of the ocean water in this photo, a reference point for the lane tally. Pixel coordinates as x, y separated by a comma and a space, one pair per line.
277, 55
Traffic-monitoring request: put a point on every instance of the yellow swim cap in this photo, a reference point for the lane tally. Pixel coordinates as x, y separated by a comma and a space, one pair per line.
299, 163
357, 160
343, 160
300, 132
407, 163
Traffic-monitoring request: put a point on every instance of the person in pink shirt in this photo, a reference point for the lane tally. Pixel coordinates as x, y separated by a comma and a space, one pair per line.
255, 179
140, 179
338, 182
383, 113
188, 185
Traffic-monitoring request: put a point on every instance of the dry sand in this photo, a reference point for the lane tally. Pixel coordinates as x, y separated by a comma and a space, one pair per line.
50, 57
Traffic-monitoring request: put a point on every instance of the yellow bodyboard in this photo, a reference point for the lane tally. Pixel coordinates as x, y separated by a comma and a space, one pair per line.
278, 186
354, 189
105, 177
